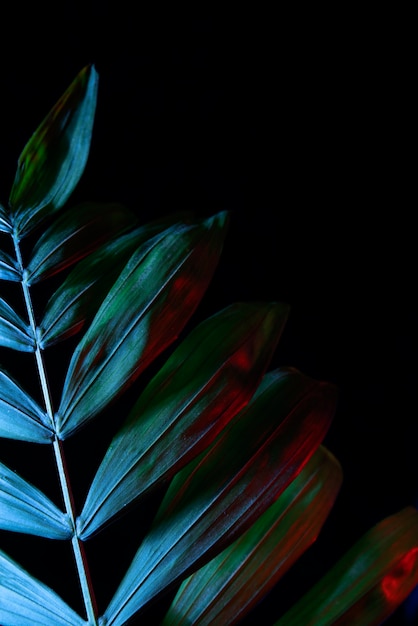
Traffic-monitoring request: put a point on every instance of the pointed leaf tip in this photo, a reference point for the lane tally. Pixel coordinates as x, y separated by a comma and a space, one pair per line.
147, 307
369, 582
54, 159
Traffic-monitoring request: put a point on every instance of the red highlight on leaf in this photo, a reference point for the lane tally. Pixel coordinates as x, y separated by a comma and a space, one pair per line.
392, 583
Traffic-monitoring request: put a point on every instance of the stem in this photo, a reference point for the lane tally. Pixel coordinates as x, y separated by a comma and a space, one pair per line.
77, 544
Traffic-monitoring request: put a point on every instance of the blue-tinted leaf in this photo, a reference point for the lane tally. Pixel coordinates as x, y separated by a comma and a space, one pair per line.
79, 297
25, 509
215, 498
74, 235
224, 590
53, 160
369, 582
143, 313
20, 416
9, 269
26, 601
5, 225
204, 383
14, 333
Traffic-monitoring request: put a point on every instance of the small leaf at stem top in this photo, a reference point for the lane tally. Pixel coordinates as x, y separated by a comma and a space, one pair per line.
54, 159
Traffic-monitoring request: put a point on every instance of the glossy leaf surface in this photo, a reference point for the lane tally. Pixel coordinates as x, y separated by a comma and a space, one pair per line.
14, 333
218, 496
74, 235
77, 300
54, 159
9, 269
27, 602
224, 590
20, 416
143, 313
204, 383
369, 582
25, 509
5, 225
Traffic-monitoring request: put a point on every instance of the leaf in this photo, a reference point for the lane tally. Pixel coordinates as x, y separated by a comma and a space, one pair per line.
205, 382
214, 499
368, 582
54, 159
80, 295
14, 332
147, 307
26, 602
25, 509
9, 269
74, 235
20, 417
229, 586
5, 225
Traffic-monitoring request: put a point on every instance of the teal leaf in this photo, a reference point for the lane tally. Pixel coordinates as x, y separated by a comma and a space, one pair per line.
215, 498
5, 225
9, 269
77, 300
205, 382
54, 159
25, 509
14, 332
74, 235
20, 416
26, 601
147, 307
231, 584
369, 582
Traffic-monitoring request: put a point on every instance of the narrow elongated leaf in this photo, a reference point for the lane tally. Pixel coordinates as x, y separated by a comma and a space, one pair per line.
26, 601
14, 332
5, 225
204, 383
369, 582
20, 416
74, 235
25, 509
53, 160
78, 298
224, 590
143, 313
9, 269
218, 496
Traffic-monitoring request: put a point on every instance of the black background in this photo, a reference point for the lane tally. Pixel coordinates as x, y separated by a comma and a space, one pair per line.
299, 123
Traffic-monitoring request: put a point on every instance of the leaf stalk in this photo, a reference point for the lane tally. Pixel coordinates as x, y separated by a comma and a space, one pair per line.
77, 545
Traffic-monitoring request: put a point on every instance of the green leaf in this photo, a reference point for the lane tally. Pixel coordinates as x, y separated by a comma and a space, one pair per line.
205, 382
231, 584
14, 333
5, 225
20, 416
147, 307
9, 269
369, 582
54, 159
74, 235
214, 499
27, 602
78, 298
25, 509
